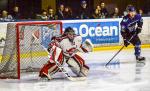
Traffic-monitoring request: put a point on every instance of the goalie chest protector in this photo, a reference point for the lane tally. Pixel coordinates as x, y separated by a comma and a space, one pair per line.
65, 44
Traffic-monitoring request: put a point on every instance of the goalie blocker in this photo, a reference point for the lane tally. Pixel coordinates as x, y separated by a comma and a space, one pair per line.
65, 49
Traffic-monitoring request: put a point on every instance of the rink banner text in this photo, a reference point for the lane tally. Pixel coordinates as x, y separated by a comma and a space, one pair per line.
100, 31
97, 31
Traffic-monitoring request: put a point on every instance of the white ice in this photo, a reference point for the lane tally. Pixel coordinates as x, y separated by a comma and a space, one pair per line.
126, 76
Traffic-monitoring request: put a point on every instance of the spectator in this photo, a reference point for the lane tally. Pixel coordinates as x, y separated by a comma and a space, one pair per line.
60, 12
96, 14
5, 17
140, 11
104, 11
68, 13
83, 12
16, 13
98, 7
44, 16
116, 13
51, 15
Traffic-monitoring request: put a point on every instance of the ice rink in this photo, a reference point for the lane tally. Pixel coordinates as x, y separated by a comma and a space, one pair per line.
123, 74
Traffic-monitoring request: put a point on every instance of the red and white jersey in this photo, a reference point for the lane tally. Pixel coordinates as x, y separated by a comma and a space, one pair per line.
67, 46
70, 47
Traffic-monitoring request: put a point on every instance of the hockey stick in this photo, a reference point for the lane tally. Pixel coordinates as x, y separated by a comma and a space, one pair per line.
64, 71
119, 50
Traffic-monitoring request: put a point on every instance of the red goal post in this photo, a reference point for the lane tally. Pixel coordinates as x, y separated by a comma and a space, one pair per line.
23, 49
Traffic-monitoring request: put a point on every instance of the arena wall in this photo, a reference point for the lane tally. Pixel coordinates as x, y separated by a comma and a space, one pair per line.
102, 32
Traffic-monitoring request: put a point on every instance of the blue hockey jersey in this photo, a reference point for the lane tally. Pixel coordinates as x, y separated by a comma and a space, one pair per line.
129, 25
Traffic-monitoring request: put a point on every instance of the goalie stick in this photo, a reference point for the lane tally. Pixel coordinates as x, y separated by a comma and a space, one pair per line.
64, 71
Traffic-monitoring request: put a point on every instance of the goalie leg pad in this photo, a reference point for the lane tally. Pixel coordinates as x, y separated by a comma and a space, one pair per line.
45, 69
51, 68
84, 71
74, 66
77, 65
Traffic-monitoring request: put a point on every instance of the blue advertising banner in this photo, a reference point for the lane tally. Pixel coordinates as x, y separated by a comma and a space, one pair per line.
98, 32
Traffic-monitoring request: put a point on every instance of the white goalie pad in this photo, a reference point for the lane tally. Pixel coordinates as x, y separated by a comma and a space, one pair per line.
77, 69
84, 71
74, 66
88, 45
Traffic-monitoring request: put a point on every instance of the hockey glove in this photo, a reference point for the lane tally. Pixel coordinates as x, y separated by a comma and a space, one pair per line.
124, 34
126, 42
138, 30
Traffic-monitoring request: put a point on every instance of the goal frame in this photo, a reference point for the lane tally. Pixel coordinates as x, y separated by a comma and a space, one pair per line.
18, 41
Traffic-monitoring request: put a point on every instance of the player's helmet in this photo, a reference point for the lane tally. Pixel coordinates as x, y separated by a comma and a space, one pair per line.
83, 2
131, 9
69, 30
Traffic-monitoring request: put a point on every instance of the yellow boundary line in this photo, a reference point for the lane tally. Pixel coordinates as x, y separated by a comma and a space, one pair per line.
102, 48
0, 58
26, 55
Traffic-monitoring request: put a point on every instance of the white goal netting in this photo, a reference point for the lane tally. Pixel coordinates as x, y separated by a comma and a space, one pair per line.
23, 50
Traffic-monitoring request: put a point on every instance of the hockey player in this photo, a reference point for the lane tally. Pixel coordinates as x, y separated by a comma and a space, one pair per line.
131, 26
70, 45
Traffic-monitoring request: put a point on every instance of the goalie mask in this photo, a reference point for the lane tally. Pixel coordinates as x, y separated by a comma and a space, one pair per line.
69, 32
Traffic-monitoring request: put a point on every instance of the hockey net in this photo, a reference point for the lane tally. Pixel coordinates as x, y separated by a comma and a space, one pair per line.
23, 50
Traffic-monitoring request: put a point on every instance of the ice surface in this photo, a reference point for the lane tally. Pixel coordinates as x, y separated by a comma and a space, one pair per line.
127, 75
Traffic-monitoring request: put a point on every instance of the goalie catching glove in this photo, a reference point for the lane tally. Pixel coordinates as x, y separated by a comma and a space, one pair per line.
87, 45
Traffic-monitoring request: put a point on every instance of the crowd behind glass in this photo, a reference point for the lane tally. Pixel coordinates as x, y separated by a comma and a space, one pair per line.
65, 12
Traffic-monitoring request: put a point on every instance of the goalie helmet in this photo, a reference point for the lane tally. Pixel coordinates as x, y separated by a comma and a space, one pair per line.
69, 32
